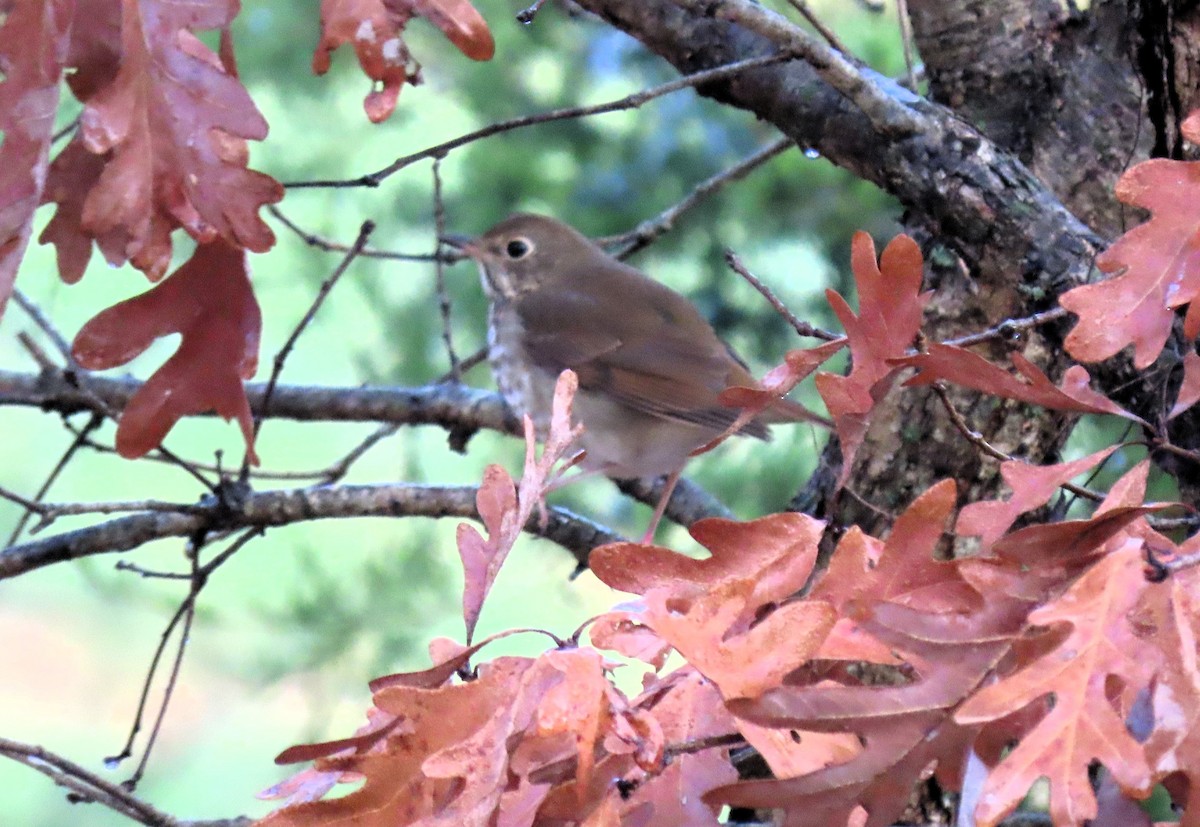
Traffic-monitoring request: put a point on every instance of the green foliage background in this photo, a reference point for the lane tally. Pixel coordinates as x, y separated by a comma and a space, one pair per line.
291, 630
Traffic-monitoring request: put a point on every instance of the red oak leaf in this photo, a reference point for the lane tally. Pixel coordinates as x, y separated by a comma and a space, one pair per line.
962, 367
505, 511
1083, 724
902, 570
1173, 748
33, 48
374, 28
776, 552
1189, 388
691, 711
1157, 266
209, 301
903, 729
171, 126
890, 309
1031, 486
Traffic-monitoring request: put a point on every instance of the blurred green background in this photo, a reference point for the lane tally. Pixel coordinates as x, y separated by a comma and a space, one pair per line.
289, 632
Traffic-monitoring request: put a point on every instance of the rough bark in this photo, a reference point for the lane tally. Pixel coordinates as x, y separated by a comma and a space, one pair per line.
1005, 173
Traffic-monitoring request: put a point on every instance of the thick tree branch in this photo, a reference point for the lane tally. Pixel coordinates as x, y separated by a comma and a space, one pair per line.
278, 508
459, 409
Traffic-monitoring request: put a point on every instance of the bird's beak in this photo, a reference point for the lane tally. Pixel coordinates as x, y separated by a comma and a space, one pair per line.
462, 243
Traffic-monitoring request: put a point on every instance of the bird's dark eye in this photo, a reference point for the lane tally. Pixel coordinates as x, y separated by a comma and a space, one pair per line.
518, 248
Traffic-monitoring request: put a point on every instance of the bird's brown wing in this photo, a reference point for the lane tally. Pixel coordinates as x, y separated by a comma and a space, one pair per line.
635, 343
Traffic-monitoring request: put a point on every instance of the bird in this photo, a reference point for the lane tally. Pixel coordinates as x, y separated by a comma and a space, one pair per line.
650, 366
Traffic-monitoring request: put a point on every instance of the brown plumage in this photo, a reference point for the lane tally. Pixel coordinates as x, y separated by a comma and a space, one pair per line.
650, 366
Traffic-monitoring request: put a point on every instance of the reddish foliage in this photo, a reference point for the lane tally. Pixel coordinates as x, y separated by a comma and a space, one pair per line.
33, 49
962, 367
1031, 485
1084, 724
505, 510
1189, 388
374, 28
1157, 266
889, 316
209, 301
171, 126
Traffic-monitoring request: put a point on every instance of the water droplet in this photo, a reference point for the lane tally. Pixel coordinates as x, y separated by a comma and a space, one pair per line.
111, 763
811, 153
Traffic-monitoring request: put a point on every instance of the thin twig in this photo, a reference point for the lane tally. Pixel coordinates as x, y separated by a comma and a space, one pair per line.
799, 325
322, 243
731, 739
822, 29
439, 269
1009, 328
198, 578
651, 229
44, 324
633, 101
906, 40
364, 233
85, 784
526, 15
977, 439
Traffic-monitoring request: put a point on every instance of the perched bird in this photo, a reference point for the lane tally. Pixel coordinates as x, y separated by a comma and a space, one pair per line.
650, 366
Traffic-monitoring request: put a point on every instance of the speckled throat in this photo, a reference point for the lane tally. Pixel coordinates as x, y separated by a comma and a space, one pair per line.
526, 388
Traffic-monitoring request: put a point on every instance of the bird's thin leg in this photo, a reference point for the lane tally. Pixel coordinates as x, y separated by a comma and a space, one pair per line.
668, 489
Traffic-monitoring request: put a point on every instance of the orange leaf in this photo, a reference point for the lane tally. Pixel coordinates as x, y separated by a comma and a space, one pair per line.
1031, 486
690, 711
1157, 266
777, 552
577, 705
209, 301
962, 367
1189, 388
1083, 725
902, 570
890, 310
33, 48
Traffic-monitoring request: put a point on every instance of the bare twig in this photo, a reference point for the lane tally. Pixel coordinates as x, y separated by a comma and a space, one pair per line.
651, 229
198, 578
439, 223
799, 325
322, 243
78, 442
906, 40
364, 233
816, 23
526, 15
977, 439
44, 324
1009, 328
84, 784
633, 101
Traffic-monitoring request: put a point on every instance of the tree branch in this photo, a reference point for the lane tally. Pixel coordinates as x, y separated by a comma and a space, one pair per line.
278, 508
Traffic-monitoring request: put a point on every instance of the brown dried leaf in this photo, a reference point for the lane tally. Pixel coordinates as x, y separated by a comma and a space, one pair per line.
374, 27
1083, 724
890, 311
1031, 486
1156, 266
209, 301
33, 48
171, 125
962, 367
